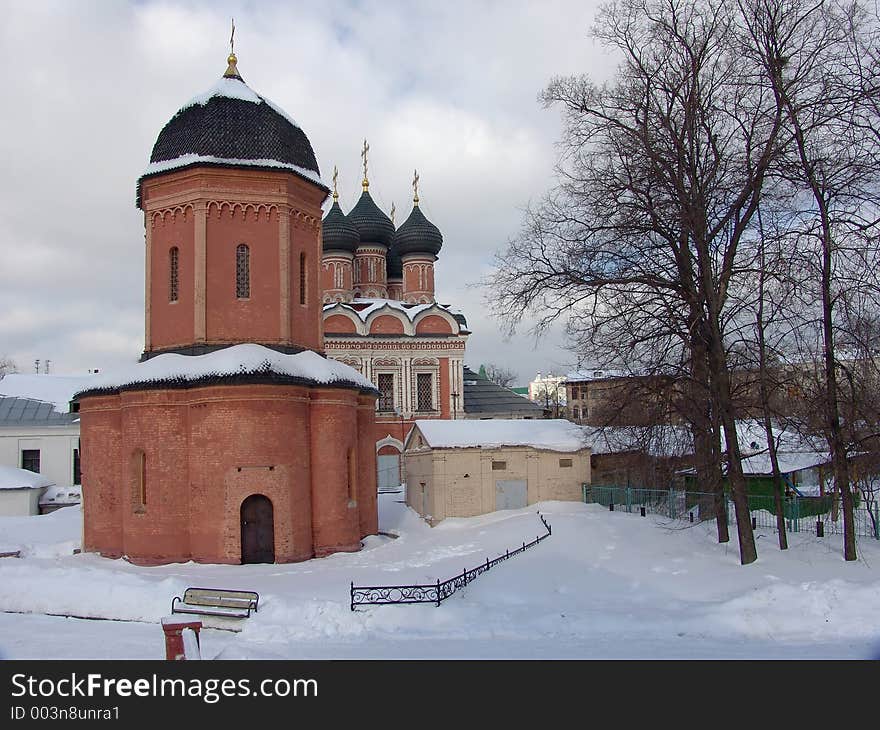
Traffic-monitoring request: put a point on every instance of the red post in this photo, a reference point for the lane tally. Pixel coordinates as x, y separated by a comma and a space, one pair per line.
173, 628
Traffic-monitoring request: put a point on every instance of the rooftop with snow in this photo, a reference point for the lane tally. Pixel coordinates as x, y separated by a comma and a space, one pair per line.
12, 478
547, 435
248, 361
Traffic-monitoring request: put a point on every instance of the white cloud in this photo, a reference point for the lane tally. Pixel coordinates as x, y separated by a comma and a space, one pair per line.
448, 88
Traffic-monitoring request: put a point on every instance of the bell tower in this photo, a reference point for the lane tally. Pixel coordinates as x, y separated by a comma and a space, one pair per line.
233, 227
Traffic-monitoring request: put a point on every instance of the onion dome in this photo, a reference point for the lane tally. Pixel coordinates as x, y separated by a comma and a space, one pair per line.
338, 233
372, 224
232, 125
417, 235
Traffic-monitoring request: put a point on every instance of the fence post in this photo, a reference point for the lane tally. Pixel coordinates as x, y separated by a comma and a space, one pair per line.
671, 508
438, 591
352, 595
464, 576
628, 499
877, 521
796, 515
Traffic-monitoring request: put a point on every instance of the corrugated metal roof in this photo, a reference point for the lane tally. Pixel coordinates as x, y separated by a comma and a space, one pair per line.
27, 411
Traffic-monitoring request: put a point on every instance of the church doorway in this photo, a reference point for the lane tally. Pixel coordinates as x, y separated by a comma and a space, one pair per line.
257, 530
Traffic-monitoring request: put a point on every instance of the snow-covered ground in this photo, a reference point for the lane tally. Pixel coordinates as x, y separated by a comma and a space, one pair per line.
604, 585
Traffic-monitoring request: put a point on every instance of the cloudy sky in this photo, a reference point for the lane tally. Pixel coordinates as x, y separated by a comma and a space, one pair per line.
449, 88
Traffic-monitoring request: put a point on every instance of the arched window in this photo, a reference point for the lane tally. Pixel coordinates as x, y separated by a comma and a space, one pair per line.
242, 271
139, 481
173, 273
302, 278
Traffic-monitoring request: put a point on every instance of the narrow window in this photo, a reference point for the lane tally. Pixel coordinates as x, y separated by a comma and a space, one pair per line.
242, 271
302, 278
352, 476
499, 466
576, 413
565, 463
30, 460
425, 391
139, 481
173, 273
77, 468
386, 391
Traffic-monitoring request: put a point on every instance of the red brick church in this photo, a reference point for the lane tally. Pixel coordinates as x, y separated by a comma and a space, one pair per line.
235, 440
382, 319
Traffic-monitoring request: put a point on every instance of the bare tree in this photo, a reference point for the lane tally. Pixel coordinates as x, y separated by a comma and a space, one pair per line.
500, 375
819, 59
660, 179
7, 365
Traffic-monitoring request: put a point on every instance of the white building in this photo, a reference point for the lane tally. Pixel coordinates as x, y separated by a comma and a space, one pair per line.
549, 392
37, 431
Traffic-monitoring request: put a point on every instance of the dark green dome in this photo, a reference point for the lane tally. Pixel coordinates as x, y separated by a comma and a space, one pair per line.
338, 234
372, 224
417, 235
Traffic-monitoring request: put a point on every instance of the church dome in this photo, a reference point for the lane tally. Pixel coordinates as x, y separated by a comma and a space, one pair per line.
373, 225
338, 234
232, 125
417, 235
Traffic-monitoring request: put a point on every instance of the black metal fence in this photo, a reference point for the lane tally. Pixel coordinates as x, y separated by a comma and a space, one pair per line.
439, 591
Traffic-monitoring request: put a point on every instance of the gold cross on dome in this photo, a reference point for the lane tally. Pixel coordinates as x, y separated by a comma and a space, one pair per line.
364, 151
416, 187
232, 39
393, 209
335, 175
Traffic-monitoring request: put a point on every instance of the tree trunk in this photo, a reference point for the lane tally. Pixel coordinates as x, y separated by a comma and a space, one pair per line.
721, 395
707, 457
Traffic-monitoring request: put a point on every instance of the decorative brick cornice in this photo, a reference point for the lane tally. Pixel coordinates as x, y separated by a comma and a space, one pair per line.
164, 214
409, 343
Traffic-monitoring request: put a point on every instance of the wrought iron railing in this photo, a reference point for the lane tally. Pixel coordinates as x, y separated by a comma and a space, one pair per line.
441, 590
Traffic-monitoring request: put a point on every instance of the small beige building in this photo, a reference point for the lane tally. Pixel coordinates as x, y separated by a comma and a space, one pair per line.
467, 468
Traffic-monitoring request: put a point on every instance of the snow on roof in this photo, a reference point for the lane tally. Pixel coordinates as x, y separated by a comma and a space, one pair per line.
579, 376
660, 441
365, 307
55, 389
62, 495
12, 478
788, 462
194, 159
247, 359
551, 435
232, 88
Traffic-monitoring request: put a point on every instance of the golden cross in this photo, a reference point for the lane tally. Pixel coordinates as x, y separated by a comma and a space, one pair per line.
392, 212
416, 186
335, 175
364, 151
232, 39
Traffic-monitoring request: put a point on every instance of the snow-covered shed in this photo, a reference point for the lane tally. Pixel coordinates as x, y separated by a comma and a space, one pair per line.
466, 468
20, 491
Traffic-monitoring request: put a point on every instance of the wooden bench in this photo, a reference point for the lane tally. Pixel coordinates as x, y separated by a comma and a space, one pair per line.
216, 602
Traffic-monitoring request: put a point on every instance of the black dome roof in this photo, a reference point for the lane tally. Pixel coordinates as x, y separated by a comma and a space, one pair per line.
337, 232
373, 225
231, 124
417, 235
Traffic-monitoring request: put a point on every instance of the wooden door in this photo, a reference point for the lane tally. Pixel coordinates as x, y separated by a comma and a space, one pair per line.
257, 530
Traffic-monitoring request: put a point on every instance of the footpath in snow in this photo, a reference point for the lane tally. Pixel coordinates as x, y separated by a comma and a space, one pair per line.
604, 585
